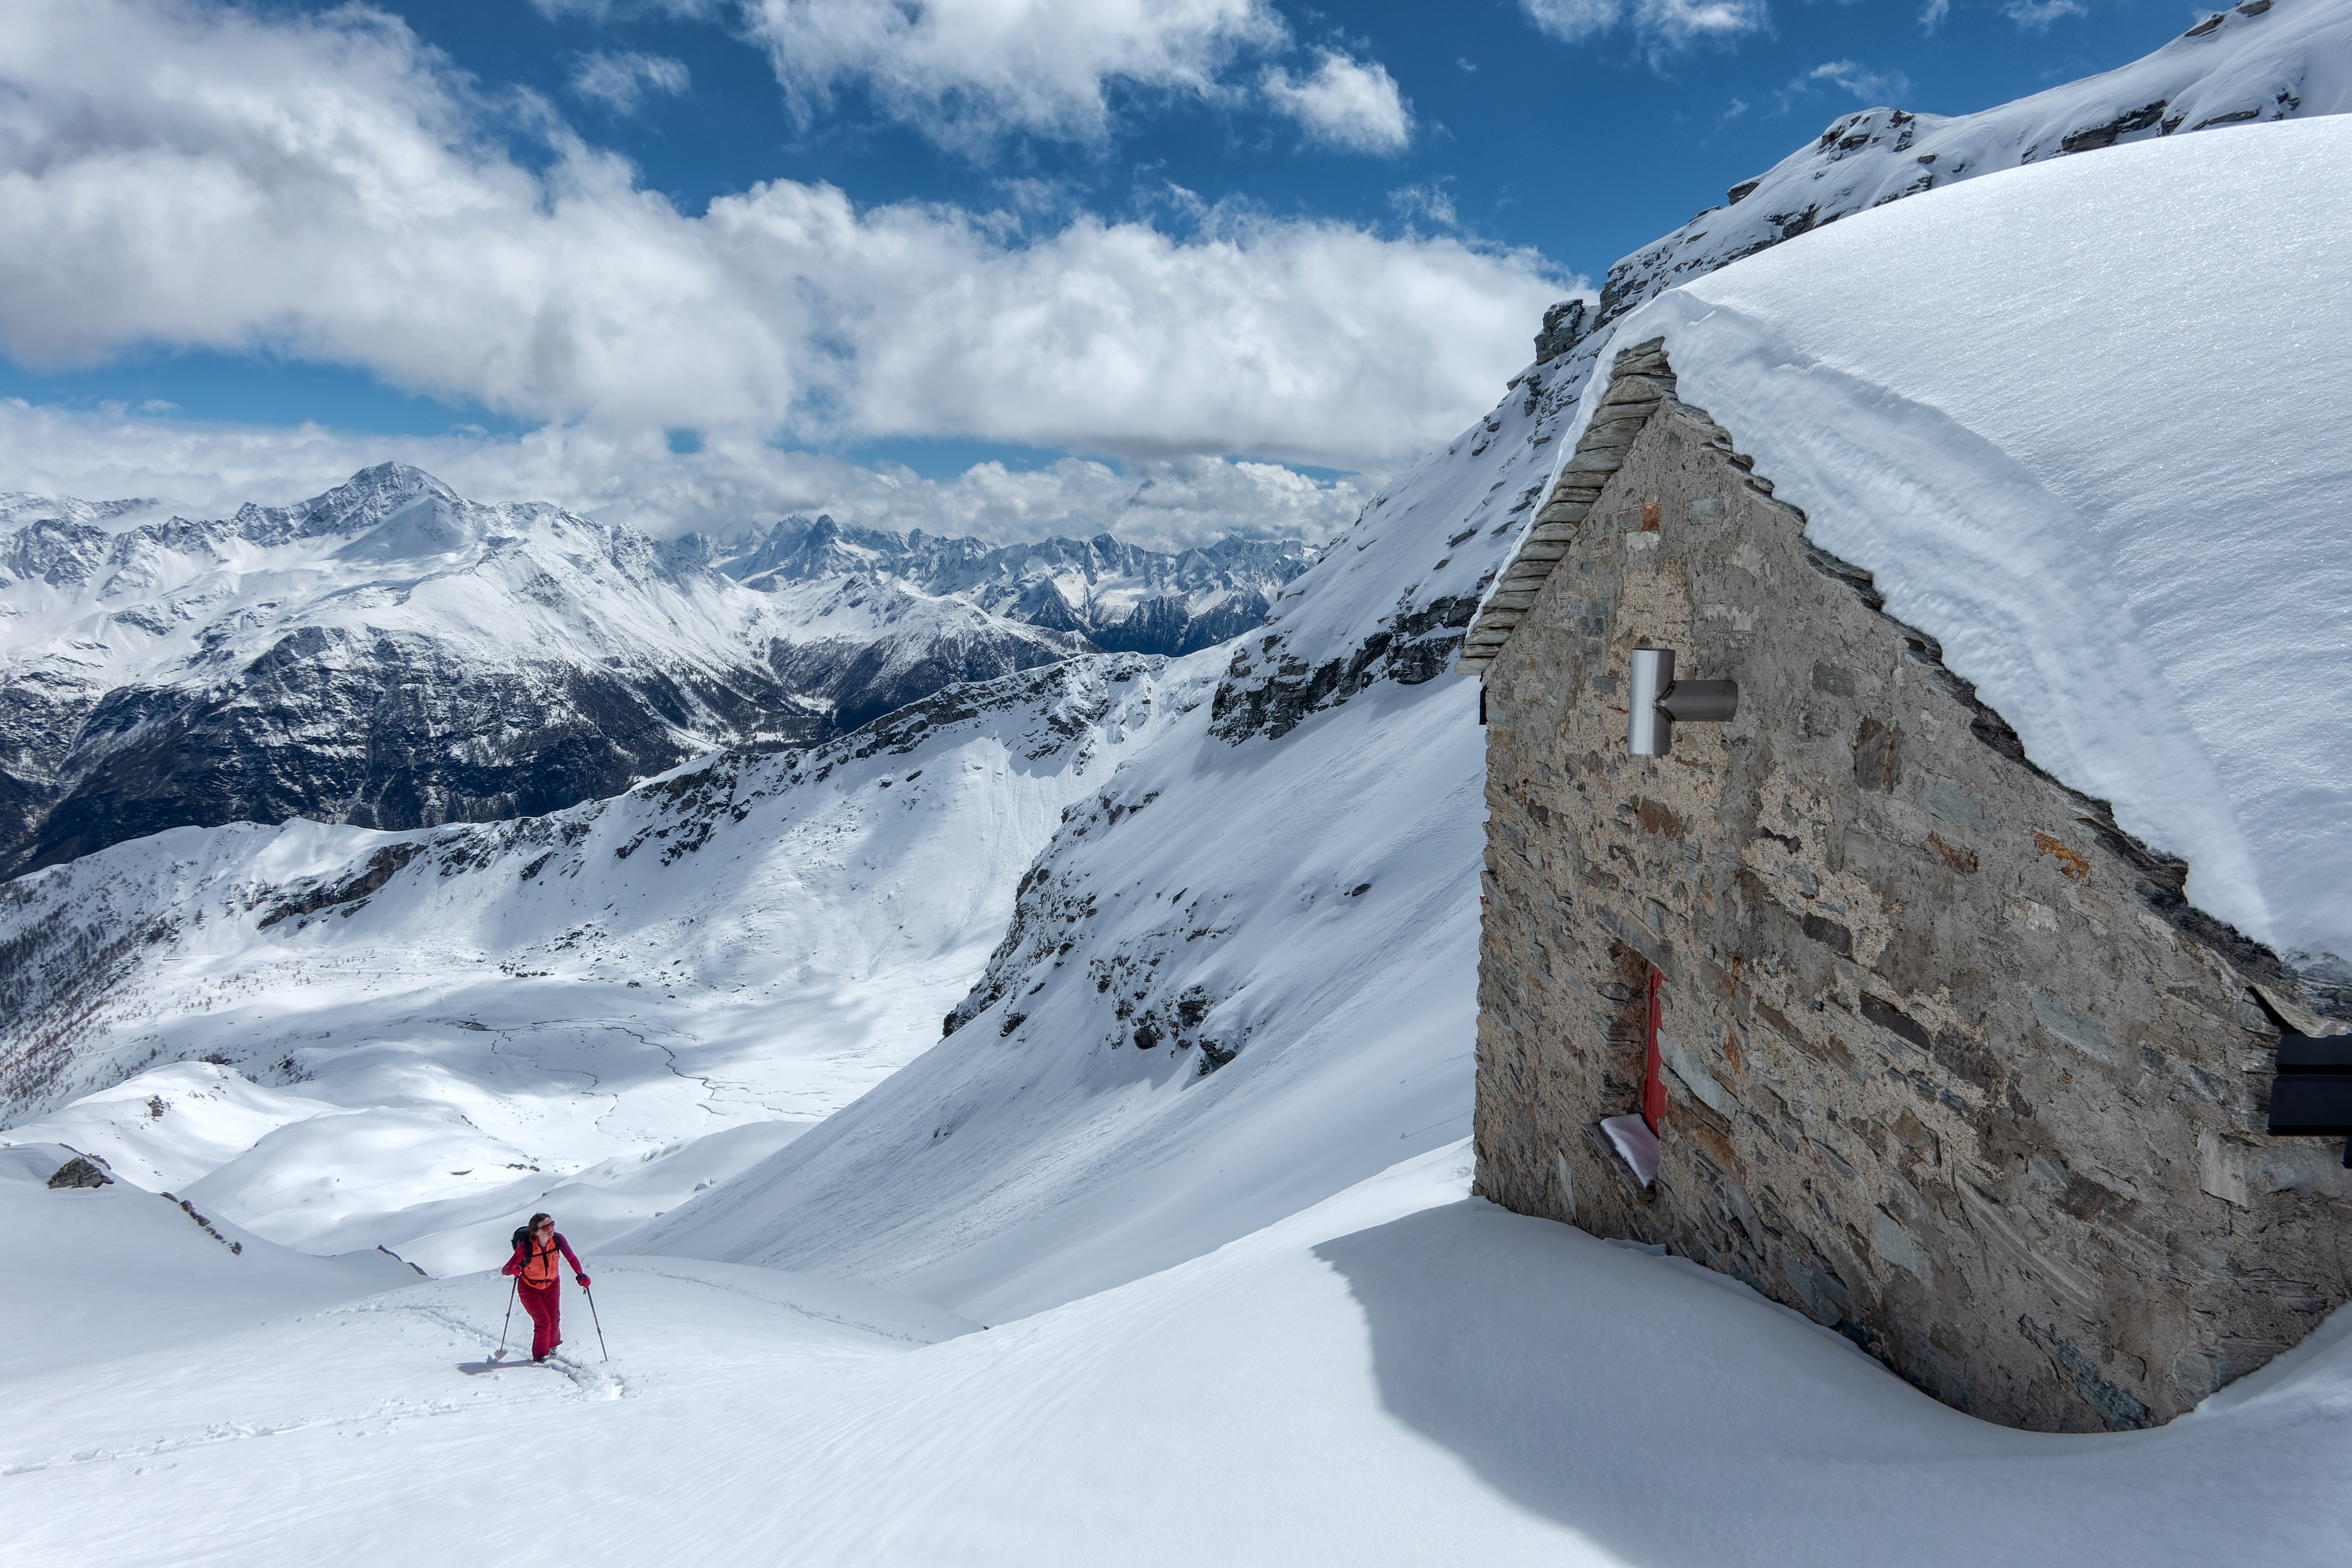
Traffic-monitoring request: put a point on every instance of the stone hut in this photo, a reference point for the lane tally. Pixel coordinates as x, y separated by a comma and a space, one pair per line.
1943, 1059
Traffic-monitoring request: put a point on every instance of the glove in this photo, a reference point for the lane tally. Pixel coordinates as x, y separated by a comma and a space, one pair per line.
583, 1280
508, 1270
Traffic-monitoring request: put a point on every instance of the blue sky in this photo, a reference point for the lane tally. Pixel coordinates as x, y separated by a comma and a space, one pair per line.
1166, 233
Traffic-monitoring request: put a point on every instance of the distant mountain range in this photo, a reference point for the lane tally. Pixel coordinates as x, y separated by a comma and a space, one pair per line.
393, 656
1120, 597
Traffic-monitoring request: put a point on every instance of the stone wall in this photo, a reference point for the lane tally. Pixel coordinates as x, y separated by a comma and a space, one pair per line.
1952, 1066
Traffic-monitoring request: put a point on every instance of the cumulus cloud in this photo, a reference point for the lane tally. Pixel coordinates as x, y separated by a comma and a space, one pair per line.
733, 482
322, 186
967, 72
1348, 103
1661, 26
620, 81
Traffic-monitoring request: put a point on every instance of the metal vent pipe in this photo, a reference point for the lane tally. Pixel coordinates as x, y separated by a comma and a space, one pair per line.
1655, 701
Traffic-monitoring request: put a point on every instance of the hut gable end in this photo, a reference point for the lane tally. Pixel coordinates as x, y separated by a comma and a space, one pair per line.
1949, 1066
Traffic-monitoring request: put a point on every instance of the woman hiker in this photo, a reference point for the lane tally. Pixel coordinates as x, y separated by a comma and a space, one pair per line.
539, 1279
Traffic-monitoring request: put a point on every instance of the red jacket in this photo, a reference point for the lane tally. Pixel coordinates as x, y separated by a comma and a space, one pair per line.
521, 1257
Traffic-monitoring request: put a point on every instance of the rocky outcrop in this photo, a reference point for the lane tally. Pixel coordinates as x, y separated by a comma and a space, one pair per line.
79, 1171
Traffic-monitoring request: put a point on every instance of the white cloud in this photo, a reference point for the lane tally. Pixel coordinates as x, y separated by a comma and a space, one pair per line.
1870, 86
966, 72
209, 470
320, 186
620, 81
1573, 21
601, 11
2036, 15
1932, 15
1347, 103
1432, 201
1660, 25
1678, 22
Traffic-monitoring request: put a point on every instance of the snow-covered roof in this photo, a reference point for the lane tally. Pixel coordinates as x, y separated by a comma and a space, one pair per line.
2089, 424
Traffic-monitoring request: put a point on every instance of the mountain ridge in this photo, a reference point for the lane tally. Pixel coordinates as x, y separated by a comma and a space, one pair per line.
391, 655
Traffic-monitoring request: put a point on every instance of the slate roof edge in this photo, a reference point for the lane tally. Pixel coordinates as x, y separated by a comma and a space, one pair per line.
1641, 382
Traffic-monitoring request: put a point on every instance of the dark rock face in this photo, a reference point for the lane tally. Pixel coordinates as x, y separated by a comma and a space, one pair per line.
402, 735
1417, 648
1122, 597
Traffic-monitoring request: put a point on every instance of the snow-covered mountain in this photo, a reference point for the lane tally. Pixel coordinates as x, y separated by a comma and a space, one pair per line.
1122, 597
387, 654
1237, 977
393, 656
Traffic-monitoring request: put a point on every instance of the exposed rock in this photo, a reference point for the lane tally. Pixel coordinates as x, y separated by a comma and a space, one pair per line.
80, 1171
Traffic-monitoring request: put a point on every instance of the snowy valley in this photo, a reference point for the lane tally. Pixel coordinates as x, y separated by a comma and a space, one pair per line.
999, 1021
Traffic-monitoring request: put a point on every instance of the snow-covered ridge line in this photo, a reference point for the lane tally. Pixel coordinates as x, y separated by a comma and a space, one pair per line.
2265, 59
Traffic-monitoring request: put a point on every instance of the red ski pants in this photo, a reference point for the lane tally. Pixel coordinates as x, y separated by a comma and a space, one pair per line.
545, 1305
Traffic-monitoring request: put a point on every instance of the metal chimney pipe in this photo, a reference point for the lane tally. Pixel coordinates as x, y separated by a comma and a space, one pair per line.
1649, 729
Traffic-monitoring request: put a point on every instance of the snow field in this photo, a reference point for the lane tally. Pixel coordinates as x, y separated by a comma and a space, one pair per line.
1400, 1373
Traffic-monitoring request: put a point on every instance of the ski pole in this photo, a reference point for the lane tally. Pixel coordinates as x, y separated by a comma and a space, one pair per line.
596, 1320
508, 1324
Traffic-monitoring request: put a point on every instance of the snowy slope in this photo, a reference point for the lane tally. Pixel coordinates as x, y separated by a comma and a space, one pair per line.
2266, 59
411, 1038
1301, 910
2120, 509
865, 648
1395, 1375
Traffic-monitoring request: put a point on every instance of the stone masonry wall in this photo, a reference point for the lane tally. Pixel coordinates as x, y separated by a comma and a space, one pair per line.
1952, 1066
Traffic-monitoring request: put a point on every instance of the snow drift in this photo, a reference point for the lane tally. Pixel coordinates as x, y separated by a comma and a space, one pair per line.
2114, 487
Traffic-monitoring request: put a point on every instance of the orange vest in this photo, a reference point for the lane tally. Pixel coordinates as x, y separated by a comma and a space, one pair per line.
539, 1263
